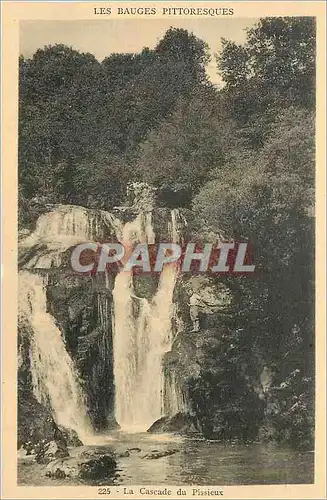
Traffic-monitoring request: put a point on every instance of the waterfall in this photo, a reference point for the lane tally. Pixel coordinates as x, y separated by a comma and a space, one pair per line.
72, 223
130, 343
142, 327
54, 378
62, 228
175, 400
142, 335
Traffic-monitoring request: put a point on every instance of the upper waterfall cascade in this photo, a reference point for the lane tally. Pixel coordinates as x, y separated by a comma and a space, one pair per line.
62, 228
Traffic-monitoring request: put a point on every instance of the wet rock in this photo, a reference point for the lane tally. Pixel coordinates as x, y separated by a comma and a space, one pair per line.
57, 474
123, 454
74, 302
90, 453
101, 467
155, 454
181, 422
50, 451
145, 286
98, 467
60, 469
38, 434
70, 436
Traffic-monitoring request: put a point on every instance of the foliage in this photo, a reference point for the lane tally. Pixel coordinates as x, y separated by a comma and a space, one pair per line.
276, 66
77, 115
183, 150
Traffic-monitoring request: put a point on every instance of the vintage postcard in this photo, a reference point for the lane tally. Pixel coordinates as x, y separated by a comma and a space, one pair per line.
163, 262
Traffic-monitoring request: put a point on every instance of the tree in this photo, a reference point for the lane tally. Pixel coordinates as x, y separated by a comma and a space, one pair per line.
187, 146
267, 199
275, 67
55, 126
76, 112
183, 47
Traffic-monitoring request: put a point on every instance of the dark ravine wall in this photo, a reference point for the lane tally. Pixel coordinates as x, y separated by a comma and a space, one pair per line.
232, 392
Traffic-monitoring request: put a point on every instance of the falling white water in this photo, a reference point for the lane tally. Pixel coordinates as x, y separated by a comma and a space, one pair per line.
54, 378
174, 398
53, 375
142, 328
142, 335
62, 228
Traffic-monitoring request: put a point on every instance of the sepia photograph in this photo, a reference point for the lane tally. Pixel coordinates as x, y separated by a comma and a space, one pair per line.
166, 283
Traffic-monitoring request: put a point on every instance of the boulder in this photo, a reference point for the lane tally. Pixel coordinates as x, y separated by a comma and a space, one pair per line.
89, 453
123, 454
62, 468
57, 474
50, 451
36, 426
70, 436
103, 466
155, 454
181, 422
98, 467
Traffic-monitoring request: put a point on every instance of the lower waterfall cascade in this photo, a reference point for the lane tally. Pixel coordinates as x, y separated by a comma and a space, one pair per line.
54, 379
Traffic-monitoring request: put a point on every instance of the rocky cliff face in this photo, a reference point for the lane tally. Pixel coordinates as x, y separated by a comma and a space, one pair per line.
214, 390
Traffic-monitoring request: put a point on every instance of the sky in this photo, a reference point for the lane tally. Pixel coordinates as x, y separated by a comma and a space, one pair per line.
103, 37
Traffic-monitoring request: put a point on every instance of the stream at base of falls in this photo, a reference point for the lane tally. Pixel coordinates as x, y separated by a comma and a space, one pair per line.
197, 462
